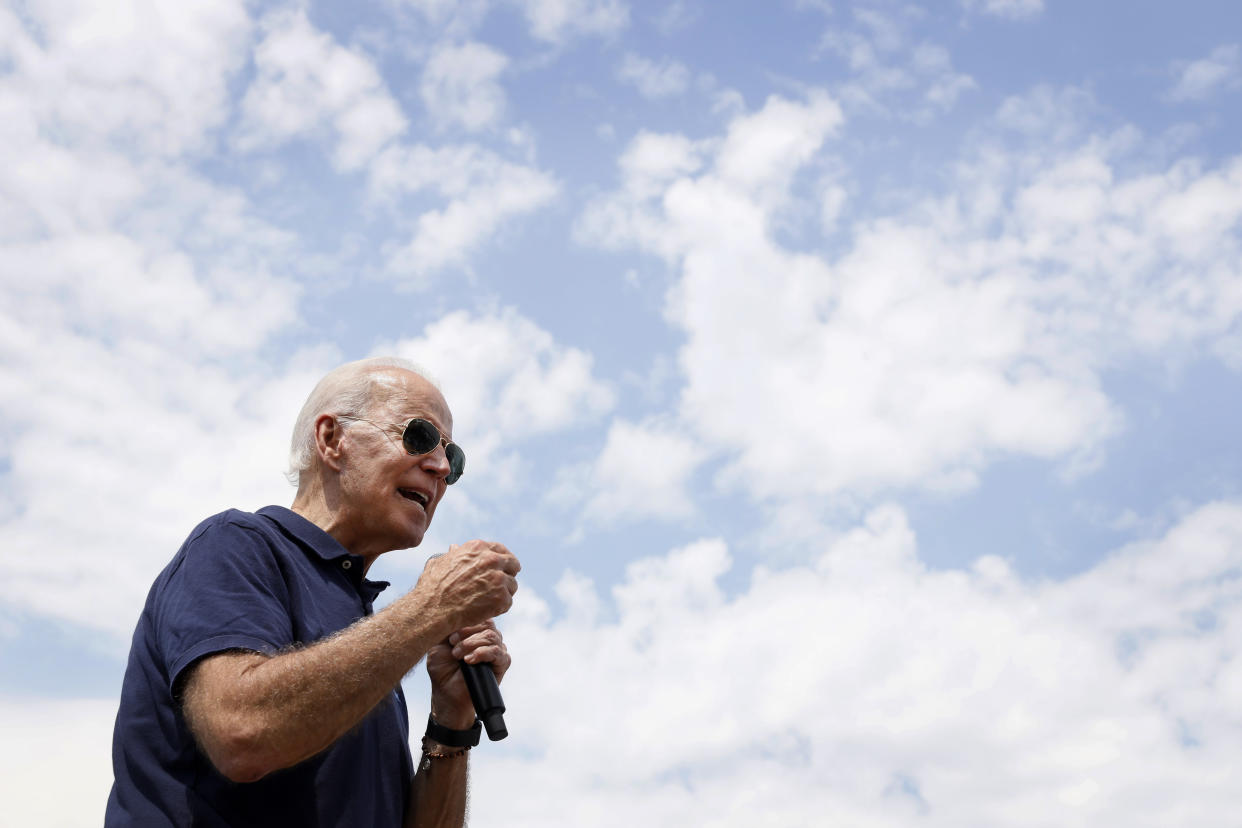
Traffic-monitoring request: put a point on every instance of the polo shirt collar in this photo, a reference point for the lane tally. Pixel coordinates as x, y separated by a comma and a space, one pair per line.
316, 540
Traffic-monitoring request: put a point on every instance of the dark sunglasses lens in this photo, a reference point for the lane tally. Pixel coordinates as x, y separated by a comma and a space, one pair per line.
457, 462
420, 437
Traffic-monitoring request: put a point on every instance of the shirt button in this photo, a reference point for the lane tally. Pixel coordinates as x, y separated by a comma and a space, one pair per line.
346, 564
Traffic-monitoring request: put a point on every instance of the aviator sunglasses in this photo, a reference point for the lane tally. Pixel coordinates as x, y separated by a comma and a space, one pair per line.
421, 437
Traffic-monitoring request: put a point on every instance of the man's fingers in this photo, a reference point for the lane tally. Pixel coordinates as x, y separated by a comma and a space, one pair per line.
466, 632
479, 637
508, 561
485, 644
491, 654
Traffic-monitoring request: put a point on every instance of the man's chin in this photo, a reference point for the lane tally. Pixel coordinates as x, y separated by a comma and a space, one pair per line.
413, 538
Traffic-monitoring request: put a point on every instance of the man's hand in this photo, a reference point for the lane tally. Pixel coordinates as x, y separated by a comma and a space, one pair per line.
450, 700
470, 584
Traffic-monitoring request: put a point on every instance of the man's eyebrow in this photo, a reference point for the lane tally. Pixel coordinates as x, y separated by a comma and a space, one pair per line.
405, 419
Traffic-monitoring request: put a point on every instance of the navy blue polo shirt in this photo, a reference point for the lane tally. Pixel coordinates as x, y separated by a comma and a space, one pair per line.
265, 582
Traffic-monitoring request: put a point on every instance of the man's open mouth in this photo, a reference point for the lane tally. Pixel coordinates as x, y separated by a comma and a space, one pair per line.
417, 497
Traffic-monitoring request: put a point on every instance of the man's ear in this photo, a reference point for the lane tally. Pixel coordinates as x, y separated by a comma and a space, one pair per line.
328, 435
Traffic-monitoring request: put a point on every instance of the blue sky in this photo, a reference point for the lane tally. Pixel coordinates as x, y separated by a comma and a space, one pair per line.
857, 382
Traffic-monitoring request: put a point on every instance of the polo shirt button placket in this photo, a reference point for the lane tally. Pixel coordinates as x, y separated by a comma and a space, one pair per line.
346, 564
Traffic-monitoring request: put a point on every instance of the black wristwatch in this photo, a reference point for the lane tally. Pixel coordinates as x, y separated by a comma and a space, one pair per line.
454, 738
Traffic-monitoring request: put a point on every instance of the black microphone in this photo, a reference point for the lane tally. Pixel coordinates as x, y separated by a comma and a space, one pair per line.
485, 693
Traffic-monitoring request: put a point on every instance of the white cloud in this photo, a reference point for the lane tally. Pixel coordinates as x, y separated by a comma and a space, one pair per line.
552, 21
483, 191
459, 85
1053, 114
135, 441
762, 151
507, 376
649, 165
946, 84
308, 85
1201, 79
654, 79
556, 21
124, 75
828, 692
866, 54
642, 472
653, 160
135, 291
1013, 9
887, 65
933, 343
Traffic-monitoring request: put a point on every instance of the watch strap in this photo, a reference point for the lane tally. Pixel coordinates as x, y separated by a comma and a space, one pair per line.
453, 738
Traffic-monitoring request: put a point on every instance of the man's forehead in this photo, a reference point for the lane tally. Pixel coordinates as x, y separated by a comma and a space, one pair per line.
409, 395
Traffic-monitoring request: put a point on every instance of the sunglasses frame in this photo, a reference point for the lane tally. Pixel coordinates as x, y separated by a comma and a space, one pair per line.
456, 468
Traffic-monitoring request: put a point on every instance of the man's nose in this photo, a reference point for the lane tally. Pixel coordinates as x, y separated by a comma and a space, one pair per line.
437, 462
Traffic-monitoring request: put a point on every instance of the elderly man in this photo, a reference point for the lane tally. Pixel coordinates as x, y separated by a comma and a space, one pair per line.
261, 689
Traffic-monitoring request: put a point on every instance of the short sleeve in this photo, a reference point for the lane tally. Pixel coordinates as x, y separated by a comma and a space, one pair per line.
225, 593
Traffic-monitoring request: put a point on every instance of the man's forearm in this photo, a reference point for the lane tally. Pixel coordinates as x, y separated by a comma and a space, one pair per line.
255, 714
438, 792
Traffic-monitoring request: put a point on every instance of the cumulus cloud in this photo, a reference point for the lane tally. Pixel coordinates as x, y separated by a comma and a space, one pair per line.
134, 291
946, 84
1201, 79
483, 191
862, 688
649, 165
933, 343
654, 79
890, 70
122, 75
459, 85
86, 528
1052, 115
555, 21
308, 85
642, 472
507, 375
868, 49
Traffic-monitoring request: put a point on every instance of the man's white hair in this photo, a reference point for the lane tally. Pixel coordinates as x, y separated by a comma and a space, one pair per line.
351, 389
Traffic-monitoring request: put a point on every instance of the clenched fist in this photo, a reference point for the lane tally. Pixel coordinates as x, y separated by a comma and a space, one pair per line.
470, 584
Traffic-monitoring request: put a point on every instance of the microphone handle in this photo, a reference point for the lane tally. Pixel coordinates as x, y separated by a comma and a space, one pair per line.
485, 693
